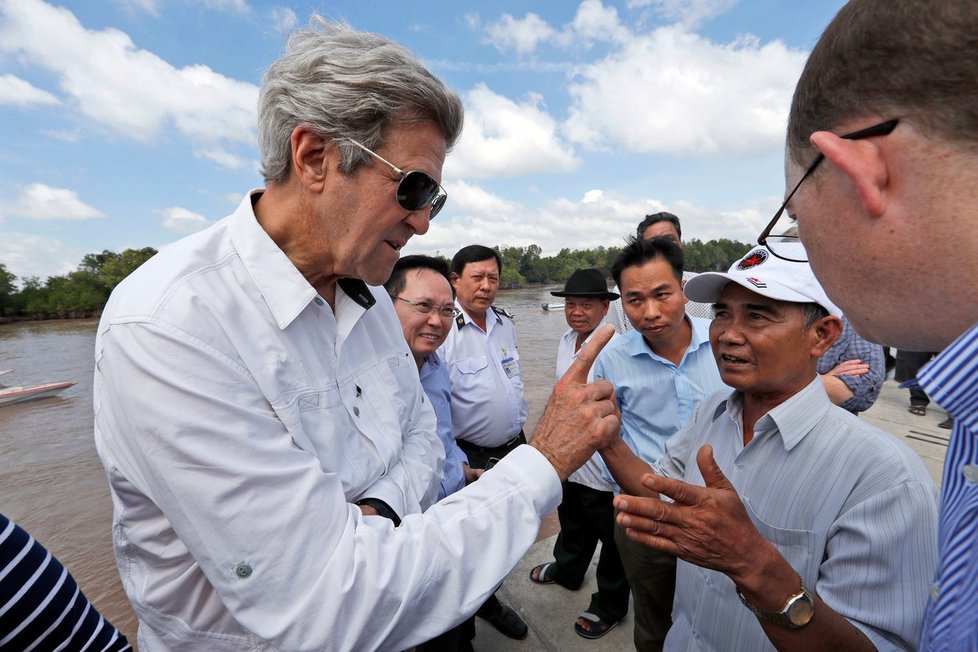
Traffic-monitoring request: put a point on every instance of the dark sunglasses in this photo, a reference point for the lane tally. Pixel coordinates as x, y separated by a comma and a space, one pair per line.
780, 245
416, 189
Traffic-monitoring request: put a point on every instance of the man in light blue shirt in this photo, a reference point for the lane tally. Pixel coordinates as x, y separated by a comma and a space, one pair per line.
424, 303
661, 370
798, 526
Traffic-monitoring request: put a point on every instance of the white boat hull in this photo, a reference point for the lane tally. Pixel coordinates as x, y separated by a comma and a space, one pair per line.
10, 395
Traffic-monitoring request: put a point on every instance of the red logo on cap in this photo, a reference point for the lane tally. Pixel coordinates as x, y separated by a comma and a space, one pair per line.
753, 259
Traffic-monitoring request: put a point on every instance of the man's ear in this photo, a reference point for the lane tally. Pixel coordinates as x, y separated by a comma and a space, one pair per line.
864, 162
453, 278
826, 331
312, 155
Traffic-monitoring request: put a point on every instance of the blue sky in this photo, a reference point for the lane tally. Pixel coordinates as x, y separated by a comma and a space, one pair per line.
131, 123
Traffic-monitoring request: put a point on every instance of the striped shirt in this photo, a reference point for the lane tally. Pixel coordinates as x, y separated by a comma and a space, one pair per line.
951, 380
851, 508
41, 607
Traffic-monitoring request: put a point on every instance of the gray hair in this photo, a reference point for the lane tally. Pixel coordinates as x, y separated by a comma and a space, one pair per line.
345, 83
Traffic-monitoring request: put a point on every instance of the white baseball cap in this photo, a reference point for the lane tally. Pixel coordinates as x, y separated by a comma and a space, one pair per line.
762, 272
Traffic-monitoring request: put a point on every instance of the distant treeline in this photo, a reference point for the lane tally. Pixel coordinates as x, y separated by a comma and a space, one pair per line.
84, 292
523, 265
81, 293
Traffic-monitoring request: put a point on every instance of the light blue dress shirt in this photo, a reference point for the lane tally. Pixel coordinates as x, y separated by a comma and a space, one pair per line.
951, 380
438, 388
850, 507
657, 397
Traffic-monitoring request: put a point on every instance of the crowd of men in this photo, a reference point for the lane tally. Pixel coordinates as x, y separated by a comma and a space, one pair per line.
302, 457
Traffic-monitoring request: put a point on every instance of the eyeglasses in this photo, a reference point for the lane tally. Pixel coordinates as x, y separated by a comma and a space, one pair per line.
416, 189
785, 243
425, 308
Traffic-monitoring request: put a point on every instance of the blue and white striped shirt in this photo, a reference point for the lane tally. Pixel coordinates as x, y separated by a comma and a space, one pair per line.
41, 607
951, 380
657, 397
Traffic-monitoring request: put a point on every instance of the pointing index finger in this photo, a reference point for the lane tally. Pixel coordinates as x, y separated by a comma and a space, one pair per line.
579, 369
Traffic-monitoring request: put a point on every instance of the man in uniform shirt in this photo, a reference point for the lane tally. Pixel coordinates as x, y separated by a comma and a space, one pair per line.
825, 525
270, 454
488, 408
884, 127
661, 370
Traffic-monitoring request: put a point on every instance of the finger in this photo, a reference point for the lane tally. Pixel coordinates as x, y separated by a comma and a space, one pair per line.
681, 492
712, 475
579, 369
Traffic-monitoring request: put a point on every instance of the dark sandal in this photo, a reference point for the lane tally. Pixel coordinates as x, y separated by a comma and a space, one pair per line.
541, 574
597, 627
918, 410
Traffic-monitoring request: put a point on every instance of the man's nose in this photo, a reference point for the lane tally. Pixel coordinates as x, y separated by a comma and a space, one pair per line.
419, 220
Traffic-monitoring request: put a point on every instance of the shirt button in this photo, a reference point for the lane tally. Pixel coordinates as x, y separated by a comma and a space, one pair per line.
356, 411
682, 403
739, 467
242, 570
318, 301
935, 591
971, 473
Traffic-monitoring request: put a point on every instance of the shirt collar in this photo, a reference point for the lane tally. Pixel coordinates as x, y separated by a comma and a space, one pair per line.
951, 378
463, 317
792, 420
700, 336
285, 290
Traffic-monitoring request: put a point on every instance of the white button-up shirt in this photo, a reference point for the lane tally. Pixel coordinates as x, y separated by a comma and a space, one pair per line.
488, 408
591, 474
238, 416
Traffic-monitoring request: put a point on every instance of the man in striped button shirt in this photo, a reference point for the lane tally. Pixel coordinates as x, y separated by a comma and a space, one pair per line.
885, 121
798, 526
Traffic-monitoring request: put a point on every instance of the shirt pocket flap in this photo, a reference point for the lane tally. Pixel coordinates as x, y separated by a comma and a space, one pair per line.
472, 365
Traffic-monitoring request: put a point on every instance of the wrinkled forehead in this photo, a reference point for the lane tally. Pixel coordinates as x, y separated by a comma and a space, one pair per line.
481, 268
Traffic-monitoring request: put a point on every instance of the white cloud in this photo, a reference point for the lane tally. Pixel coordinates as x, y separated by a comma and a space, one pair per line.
506, 138
147, 6
675, 92
519, 34
235, 6
181, 220
596, 22
41, 202
122, 87
18, 92
222, 157
283, 18
689, 13
26, 255
60, 134
599, 218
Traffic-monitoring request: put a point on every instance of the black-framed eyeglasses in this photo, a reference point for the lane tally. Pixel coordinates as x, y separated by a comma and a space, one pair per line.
783, 242
416, 189
426, 308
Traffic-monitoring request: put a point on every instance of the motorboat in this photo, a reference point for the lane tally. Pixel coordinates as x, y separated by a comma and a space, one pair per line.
552, 306
16, 393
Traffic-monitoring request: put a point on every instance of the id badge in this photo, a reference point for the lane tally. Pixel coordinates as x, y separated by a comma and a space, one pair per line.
510, 366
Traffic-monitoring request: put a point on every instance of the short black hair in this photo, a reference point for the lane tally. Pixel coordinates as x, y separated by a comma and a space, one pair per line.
638, 252
655, 218
474, 254
395, 284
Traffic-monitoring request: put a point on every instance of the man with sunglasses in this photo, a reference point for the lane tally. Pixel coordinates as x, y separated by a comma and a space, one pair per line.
882, 160
270, 452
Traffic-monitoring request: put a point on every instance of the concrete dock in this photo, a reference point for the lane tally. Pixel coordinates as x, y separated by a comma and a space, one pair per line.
550, 610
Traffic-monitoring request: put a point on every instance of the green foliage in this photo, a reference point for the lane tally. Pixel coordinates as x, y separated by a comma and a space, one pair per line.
83, 291
526, 265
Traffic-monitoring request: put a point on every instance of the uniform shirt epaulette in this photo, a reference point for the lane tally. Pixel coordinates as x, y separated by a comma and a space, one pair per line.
500, 311
459, 321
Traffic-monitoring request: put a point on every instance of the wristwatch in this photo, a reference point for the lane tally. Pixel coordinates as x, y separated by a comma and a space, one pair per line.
797, 611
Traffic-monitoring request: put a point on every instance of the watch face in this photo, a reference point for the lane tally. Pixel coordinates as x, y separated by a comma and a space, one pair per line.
801, 611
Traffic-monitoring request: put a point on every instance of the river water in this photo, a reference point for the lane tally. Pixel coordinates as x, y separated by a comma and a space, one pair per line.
52, 483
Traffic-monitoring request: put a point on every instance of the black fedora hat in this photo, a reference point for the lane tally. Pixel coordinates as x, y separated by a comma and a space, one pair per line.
586, 283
